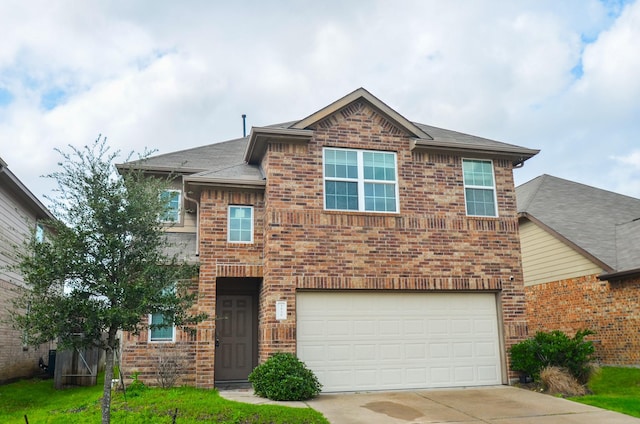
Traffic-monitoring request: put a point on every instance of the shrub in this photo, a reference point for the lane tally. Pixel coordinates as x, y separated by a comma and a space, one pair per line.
171, 366
284, 377
556, 349
558, 381
136, 387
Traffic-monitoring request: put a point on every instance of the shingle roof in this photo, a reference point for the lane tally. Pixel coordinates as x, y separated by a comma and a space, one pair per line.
226, 160
211, 157
600, 222
12, 183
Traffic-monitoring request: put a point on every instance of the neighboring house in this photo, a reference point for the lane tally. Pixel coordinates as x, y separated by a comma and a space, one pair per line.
383, 252
20, 212
581, 263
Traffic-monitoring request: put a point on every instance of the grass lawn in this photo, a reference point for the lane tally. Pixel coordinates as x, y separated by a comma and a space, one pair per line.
43, 404
616, 389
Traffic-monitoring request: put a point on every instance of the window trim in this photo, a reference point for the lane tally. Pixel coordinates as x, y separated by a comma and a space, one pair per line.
361, 181
179, 211
152, 340
251, 208
492, 188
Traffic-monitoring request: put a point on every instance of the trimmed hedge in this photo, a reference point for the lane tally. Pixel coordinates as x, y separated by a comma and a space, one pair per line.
284, 377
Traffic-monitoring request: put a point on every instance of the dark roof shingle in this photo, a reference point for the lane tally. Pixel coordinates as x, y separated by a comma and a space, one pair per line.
598, 221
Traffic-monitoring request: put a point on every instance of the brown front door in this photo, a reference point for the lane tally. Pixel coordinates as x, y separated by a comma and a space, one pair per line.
234, 337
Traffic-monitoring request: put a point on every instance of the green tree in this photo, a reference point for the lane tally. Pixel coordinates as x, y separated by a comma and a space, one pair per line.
103, 265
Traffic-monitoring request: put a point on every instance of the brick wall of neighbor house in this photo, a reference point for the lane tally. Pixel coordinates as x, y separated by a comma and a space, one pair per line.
430, 245
17, 360
611, 309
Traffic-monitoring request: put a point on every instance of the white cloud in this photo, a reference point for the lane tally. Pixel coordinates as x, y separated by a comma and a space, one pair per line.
171, 75
611, 65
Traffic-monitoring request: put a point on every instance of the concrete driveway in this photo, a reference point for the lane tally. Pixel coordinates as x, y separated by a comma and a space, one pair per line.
497, 404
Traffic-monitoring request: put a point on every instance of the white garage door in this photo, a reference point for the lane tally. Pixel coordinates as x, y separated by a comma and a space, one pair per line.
385, 341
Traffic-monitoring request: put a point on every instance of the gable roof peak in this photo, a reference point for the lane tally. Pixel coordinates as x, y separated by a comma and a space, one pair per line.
362, 94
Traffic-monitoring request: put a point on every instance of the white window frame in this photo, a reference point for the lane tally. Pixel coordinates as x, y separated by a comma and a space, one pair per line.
178, 212
477, 187
360, 180
250, 208
158, 340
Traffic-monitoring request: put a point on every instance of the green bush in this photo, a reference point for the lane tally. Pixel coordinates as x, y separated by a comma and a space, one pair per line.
136, 387
554, 349
284, 377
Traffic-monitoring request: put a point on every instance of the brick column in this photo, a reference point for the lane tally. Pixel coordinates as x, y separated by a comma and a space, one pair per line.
206, 336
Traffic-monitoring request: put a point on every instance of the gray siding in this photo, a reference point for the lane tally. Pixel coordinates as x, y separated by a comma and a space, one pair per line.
17, 221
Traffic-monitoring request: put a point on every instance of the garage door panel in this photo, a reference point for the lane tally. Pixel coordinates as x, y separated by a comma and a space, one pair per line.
484, 326
338, 328
440, 376
488, 373
463, 350
364, 328
439, 350
486, 349
438, 327
381, 341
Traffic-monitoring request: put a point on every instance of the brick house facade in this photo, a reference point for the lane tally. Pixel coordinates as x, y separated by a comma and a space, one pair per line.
308, 265
581, 263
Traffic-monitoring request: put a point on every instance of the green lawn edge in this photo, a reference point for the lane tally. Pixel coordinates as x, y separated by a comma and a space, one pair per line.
41, 403
616, 389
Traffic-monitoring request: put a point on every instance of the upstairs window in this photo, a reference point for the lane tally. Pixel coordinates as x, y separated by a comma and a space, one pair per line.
240, 229
164, 333
360, 180
171, 198
39, 232
479, 187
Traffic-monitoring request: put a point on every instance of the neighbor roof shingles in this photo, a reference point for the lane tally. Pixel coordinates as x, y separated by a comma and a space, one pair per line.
586, 216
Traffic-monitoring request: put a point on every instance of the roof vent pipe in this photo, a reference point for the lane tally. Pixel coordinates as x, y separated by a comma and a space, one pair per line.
244, 125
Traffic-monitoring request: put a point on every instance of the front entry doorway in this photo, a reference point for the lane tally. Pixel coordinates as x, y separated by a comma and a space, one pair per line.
236, 330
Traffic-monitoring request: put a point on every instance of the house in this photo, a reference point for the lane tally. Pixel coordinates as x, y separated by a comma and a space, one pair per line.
581, 263
20, 213
383, 252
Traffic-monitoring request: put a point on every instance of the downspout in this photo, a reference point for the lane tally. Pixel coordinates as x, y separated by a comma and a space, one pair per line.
197, 202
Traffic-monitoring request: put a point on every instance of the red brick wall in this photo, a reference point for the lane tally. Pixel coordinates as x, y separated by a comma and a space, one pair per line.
430, 245
217, 259
142, 357
16, 360
611, 309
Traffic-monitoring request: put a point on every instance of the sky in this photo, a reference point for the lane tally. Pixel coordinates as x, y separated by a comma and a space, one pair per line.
559, 76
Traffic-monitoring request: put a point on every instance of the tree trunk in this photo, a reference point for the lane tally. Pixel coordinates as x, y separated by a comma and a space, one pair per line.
106, 392
112, 344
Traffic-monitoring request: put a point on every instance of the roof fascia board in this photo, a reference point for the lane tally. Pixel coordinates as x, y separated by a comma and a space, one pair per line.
24, 194
517, 154
123, 167
619, 275
564, 240
225, 182
260, 136
374, 101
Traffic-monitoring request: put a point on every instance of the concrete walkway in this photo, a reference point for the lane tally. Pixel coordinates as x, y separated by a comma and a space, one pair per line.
497, 404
